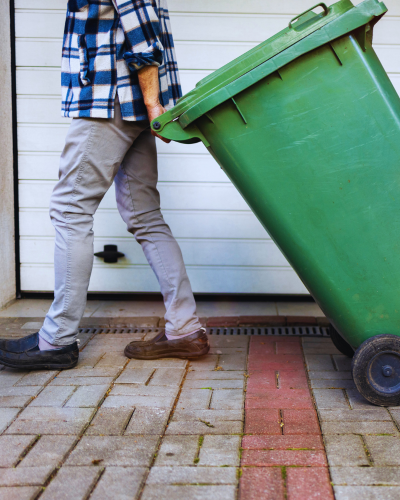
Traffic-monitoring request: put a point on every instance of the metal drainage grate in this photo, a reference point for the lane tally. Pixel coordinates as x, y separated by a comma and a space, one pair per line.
277, 331
116, 330
280, 331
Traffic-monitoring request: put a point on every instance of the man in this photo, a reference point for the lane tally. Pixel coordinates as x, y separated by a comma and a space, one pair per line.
118, 72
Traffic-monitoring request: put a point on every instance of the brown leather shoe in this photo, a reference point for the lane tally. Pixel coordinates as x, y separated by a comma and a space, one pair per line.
192, 346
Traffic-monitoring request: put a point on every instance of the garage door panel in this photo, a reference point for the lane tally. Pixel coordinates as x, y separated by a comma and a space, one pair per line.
203, 279
184, 224
171, 167
174, 196
292, 7
51, 138
190, 55
46, 82
39, 250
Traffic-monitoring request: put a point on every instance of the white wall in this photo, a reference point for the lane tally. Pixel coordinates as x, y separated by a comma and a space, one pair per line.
7, 247
224, 246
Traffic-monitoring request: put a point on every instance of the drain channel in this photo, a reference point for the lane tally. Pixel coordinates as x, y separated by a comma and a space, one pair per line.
280, 331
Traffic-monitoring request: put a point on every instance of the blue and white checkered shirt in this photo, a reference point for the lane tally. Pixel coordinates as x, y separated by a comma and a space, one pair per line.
105, 43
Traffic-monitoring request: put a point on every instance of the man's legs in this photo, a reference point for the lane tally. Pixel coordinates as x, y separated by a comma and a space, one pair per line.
92, 155
139, 205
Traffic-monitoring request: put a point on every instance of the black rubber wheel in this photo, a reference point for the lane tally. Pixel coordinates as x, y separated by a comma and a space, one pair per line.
340, 344
376, 370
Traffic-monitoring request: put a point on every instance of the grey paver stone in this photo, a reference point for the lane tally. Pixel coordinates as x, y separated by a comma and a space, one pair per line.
320, 362
208, 362
227, 399
87, 359
20, 391
119, 483
222, 341
358, 428
358, 402
148, 421
343, 363
112, 359
106, 371
332, 384
345, 450
211, 416
28, 476
215, 384
109, 422
385, 450
157, 363
367, 492
167, 376
20, 493
143, 390
53, 396
220, 450
79, 480
233, 361
82, 381
194, 399
178, 450
320, 349
220, 492
133, 401
37, 377
51, 421
8, 378
365, 476
49, 451
214, 375
121, 451
136, 376
7, 415
14, 401
87, 396
319, 375
192, 475
205, 427
11, 448
396, 415
376, 415
330, 398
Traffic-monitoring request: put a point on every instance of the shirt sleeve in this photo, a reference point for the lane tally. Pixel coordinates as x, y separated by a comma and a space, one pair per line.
141, 27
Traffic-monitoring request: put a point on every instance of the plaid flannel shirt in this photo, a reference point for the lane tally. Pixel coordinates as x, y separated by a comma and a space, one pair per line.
105, 43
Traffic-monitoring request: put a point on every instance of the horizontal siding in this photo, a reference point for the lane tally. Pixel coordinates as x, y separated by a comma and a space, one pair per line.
196, 252
197, 26
206, 224
217, 6
174, 196
203, 279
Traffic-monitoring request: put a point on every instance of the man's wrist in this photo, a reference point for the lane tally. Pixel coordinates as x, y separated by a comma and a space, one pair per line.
152, 104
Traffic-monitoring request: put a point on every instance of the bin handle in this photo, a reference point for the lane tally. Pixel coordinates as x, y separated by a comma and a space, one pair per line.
321, 4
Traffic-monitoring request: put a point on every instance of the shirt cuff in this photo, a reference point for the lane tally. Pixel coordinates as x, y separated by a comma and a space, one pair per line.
153, 56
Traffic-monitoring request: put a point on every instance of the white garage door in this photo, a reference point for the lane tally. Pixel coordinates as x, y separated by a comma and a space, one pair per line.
225, 248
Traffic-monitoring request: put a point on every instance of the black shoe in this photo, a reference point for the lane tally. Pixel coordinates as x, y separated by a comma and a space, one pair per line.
192, 346
25, 353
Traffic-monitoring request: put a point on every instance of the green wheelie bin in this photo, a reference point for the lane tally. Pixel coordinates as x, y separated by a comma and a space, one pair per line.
307, 127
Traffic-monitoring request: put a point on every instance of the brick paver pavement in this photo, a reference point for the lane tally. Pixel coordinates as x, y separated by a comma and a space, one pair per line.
241, 422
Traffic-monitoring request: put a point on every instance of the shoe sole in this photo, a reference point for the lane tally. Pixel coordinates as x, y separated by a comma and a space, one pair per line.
38, 367
180, 355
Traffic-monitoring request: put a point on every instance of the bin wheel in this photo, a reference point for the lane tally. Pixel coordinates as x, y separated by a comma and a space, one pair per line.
376, 370
340, 344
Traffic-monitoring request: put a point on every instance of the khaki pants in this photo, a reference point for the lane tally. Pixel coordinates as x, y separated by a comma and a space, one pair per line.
96, 153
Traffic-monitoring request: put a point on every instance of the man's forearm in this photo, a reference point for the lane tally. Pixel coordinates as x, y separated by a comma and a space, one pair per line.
148, 81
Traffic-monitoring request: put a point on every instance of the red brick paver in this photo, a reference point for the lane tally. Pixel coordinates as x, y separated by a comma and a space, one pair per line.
283, 454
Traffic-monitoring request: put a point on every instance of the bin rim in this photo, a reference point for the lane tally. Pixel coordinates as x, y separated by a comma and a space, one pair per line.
317, 30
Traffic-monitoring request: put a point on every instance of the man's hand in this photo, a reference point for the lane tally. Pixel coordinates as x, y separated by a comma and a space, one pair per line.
148, 81
154, 111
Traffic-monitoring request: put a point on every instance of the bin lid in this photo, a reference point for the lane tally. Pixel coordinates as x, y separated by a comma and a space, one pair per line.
304, 33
